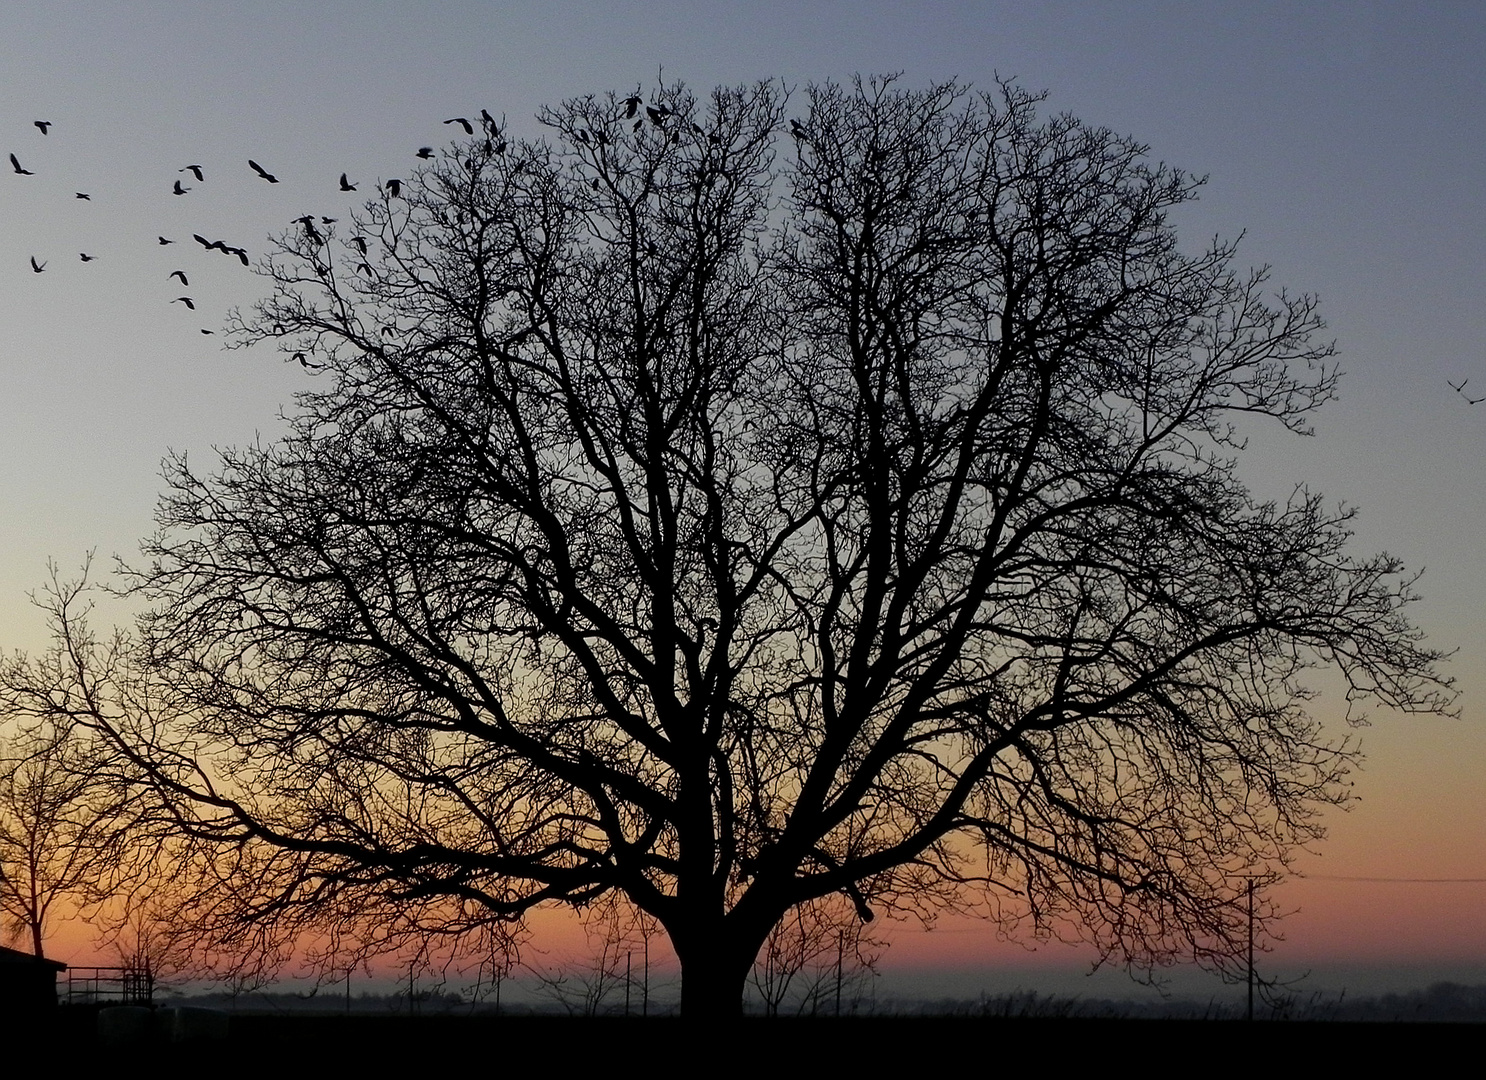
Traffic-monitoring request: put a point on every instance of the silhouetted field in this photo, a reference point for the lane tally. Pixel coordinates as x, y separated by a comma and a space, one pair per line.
271, 1044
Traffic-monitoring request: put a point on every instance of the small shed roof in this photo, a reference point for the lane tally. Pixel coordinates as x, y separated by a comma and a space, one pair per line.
15, 956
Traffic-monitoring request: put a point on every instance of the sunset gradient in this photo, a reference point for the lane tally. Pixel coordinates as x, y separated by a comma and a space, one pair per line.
1346, 141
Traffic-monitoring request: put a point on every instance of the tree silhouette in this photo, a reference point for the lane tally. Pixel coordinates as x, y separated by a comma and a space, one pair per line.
58, 843
733, 512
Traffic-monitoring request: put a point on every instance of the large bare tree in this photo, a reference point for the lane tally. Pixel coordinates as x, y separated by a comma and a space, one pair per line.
738, 503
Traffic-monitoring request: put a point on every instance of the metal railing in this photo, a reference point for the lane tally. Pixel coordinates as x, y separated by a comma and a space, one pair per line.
110, 986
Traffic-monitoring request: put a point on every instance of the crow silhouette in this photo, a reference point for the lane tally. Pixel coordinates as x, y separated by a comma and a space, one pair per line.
178, 189
631, 106
16, 165
37, 267
488, 121
85, 257
261, 171
360, 242
178, 274
43, 125
394, 188
346, 185
462, 122
308, 221
164, 241
185, 300
1461, 391
83, 195
425, 152
194, 170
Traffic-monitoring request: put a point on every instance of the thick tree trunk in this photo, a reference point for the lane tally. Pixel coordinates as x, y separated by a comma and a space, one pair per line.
714, 974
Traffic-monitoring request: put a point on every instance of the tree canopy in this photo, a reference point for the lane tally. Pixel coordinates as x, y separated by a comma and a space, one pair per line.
739, 503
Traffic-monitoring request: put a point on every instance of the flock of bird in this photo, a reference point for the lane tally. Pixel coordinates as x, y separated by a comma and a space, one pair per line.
196, 174
657, 115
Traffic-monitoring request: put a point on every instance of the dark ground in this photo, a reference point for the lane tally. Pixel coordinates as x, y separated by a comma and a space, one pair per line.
267, 1045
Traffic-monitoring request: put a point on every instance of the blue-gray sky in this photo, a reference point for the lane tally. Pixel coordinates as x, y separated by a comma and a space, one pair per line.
1347, 140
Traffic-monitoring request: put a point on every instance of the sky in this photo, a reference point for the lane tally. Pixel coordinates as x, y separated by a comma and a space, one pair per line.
1345, 142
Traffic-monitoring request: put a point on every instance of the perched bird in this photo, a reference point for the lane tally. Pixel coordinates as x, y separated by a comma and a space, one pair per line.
83, 195
43, 125
462, 122
657, 115
185, 300
36, 267
394, 188
194, 170
179, 274
425, 152
261, 171
16, 165
346, 185
488, 121
797, 129
178, 189
164, 241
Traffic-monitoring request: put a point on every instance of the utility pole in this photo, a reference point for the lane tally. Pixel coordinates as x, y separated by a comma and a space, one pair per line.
645, 992
1251, 949
840, 955
626, 982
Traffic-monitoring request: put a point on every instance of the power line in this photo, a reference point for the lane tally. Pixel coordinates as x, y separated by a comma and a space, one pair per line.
1399, 880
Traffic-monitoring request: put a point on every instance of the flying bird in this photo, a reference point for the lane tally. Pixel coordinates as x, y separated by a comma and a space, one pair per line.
83, 195
1461, 391
394, 188
164, 241
239, 252
308, 221
85, 257
42, 125
208, 331
469, 128
657, 116
178, 189
16, 165
261, 171
631, 106
360, 242
37, 267
204, 242
194, 170
185, 300
179, 274
346, 185
425, 152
